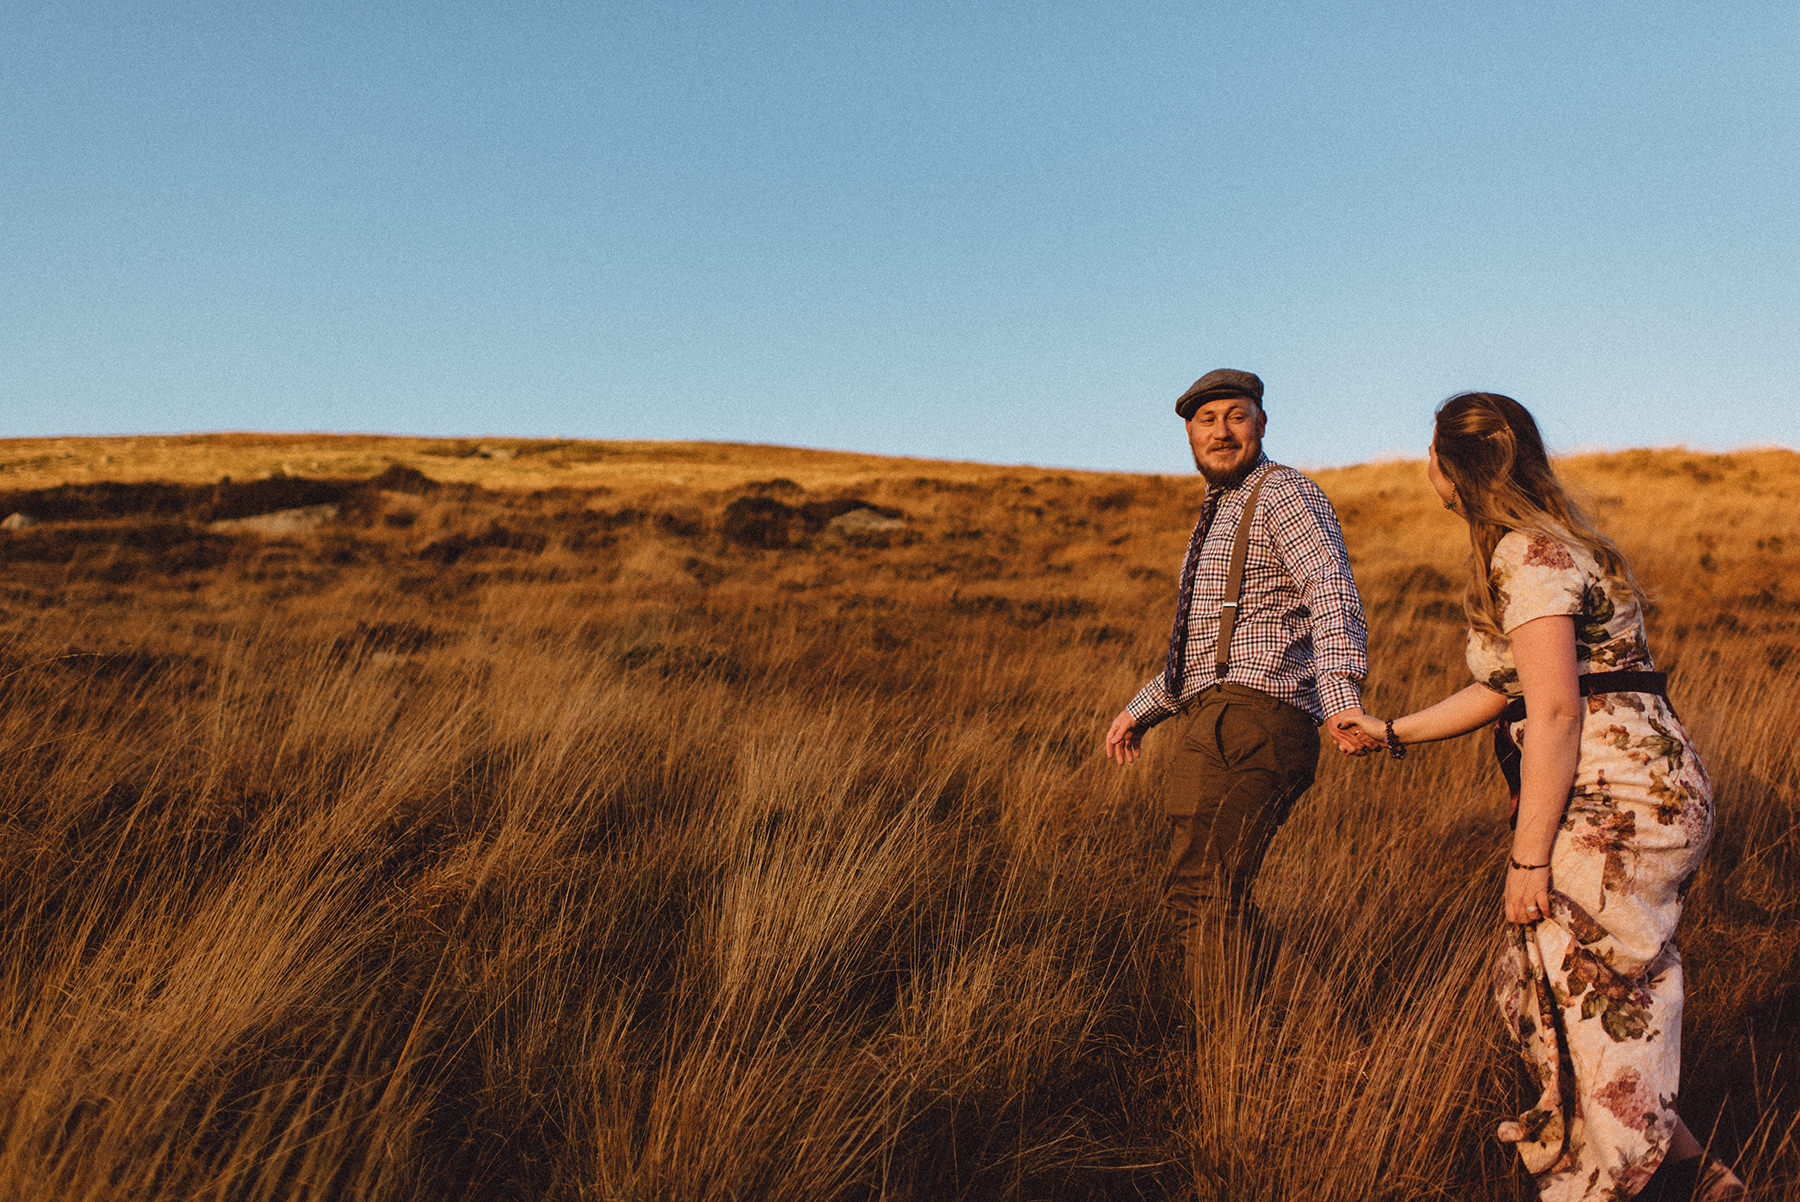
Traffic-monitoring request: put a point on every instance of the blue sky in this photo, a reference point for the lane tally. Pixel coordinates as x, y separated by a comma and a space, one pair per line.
998, 231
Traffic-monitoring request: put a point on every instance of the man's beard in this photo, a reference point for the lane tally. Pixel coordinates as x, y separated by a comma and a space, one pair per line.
1229, 478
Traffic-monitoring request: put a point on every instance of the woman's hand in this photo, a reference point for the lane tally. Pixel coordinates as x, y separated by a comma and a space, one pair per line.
1527, 894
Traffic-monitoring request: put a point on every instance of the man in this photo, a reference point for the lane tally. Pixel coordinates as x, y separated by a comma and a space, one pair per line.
1296, 658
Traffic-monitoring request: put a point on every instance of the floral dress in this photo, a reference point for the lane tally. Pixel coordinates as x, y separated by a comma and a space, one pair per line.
1593, 992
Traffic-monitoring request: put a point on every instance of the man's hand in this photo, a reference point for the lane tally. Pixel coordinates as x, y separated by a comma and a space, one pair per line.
1350, 730
1123, 739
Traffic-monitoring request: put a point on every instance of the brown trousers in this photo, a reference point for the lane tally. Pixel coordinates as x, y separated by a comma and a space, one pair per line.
1243, 760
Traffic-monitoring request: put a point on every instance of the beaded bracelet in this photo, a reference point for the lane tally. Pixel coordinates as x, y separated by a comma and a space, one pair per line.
1395, 747
1525, 867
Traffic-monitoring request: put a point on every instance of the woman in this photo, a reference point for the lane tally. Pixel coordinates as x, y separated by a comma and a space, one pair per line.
1613, 813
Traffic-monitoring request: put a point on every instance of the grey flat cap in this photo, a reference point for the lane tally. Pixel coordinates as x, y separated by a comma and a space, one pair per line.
1213, 385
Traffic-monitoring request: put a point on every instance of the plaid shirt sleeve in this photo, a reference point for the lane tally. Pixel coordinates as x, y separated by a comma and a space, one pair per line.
1152, 704
1311, 544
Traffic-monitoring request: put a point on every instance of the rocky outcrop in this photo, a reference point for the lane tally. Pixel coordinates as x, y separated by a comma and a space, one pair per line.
864, 521
281, 522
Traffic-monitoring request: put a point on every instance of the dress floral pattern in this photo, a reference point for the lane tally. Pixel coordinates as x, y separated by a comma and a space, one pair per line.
1593, 992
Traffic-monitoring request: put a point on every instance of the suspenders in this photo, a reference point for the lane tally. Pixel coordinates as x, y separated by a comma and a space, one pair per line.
1234, 582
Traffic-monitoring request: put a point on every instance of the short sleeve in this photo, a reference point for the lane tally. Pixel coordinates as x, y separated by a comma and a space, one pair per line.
1535, 576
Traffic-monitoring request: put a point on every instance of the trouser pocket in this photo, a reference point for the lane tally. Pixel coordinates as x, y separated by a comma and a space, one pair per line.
1240, 766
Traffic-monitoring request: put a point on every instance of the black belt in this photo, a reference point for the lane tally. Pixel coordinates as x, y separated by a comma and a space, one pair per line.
1590, 683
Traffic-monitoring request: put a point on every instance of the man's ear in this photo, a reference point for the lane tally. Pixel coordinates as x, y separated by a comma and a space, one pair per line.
1262, 421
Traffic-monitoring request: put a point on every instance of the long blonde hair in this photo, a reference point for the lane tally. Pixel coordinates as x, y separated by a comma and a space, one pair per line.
1488, 446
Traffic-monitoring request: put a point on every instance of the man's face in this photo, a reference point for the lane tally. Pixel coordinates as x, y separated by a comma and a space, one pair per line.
1226, 436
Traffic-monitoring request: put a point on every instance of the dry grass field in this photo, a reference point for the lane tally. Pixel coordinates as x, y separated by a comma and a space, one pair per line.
596, 821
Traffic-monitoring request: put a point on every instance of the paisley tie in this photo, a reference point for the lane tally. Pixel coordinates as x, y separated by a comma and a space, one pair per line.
1189, 569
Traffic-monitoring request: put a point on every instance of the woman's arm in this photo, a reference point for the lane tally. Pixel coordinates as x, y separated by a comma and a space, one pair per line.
1544, 650
1457, 714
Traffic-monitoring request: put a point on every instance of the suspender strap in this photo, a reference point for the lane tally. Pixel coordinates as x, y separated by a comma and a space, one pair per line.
1234, 583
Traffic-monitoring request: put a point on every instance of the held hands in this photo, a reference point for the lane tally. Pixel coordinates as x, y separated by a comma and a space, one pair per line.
1123, 739
1356, 733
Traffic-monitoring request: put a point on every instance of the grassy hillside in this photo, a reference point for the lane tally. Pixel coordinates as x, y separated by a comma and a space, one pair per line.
579, 820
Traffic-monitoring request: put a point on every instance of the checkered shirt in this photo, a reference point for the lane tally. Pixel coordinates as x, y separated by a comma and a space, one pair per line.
1300, 633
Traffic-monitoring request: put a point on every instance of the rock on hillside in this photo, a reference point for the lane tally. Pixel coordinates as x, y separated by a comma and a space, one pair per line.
864, 521
282, 521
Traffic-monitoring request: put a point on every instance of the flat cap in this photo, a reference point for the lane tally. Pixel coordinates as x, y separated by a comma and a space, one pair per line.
1213, 385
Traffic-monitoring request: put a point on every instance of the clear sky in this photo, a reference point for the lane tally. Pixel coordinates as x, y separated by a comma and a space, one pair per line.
999, 231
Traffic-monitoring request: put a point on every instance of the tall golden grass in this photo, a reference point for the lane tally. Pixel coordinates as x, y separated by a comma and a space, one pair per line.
539, 840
